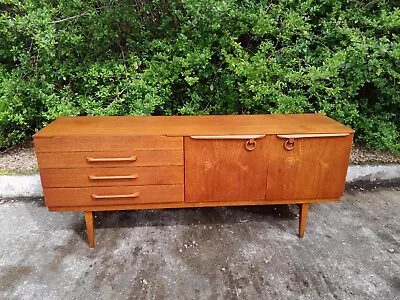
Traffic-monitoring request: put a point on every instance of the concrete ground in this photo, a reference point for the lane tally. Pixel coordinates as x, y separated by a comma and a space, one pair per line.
351, 250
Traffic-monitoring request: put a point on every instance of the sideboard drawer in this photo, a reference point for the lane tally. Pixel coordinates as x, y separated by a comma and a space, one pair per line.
99, 196
107, 143
112, 176
110, 159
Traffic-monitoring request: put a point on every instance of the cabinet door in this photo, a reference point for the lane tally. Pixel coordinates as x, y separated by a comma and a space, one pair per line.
315, 168
218, 169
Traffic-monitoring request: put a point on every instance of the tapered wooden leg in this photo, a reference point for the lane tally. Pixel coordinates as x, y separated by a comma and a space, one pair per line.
89, 227
303, 218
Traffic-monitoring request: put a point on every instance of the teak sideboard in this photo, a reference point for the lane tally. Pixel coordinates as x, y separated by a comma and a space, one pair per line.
123, 163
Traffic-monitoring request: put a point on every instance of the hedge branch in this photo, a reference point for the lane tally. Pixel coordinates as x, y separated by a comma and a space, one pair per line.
74, 17
66, 19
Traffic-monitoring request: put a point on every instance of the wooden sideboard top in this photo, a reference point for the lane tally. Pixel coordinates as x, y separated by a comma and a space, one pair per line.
193, 125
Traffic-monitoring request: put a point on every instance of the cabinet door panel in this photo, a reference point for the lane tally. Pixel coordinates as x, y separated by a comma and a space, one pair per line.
223, 170
316, 168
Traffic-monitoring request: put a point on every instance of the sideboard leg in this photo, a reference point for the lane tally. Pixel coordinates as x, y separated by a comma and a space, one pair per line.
303, 218
89, 227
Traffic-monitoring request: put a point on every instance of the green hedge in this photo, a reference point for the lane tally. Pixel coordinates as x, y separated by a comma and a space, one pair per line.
162, 57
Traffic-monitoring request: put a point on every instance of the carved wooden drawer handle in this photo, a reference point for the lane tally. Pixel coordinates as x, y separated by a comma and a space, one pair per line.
134, 195
250, 145
94, 177
110, 159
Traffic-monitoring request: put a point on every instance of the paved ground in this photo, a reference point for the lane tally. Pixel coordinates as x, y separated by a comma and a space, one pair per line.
351, 250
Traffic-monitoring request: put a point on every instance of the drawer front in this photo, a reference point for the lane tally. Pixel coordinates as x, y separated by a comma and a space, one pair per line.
112, 176
308, 167
107, 143
56, 197
72, 160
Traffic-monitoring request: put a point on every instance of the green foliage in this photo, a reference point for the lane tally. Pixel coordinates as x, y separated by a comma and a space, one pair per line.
108, 57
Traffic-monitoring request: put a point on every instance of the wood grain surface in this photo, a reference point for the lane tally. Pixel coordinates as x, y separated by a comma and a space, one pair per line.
303, 218
118, 163
71, 160
83, 196
76, 143
143, 176
192, 125
89, 227
223, 170
315, 168
185, 204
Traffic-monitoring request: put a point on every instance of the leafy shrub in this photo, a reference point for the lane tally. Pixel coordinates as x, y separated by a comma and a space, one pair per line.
143, 57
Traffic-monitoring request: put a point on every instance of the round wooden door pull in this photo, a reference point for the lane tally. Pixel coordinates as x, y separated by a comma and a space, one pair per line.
250, 145
289, 144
